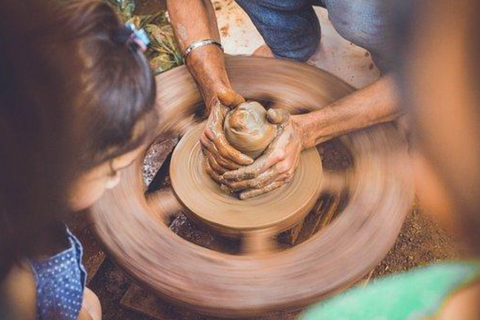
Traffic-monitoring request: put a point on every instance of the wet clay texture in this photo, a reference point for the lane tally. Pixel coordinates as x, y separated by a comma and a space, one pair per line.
279, 209
133, 227
248, 130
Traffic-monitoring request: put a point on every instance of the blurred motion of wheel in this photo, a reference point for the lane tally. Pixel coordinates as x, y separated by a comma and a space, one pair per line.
359, 208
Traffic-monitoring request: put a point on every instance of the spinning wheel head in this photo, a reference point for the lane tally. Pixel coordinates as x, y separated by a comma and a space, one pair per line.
205, 200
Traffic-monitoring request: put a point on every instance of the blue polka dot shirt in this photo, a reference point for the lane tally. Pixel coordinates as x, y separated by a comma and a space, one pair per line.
60, 283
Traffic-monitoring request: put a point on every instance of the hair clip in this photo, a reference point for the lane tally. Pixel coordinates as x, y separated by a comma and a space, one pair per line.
139, 37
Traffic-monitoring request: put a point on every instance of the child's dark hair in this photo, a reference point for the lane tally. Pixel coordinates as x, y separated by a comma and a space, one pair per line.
117, 89
72, 95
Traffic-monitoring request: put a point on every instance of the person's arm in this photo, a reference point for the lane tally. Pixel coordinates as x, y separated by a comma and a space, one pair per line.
91, 307
84, 315
194, 20
374, 104
18, 293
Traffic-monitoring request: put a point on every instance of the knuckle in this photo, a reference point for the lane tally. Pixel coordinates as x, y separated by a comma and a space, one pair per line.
244, 195
283, 167
231, 174
234, 177
253, 184
227, 176
204, 142
251, 174
232, 184
280, 155
208, 130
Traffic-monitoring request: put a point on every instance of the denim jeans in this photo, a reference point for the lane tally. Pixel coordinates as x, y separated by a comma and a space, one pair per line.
292, 30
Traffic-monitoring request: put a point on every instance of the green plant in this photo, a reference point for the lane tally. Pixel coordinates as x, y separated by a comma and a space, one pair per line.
162, 52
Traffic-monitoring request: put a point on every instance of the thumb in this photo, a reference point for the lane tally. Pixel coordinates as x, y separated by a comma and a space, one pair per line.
230, 98
277, 116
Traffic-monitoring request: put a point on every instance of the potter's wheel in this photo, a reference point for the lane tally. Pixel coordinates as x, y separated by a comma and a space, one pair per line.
376, 189
275, 211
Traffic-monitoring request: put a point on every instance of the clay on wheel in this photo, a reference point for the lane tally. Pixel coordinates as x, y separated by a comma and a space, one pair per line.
133, 230
248, 130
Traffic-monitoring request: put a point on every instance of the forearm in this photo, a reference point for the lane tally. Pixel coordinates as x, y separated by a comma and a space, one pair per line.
84, 315
374, 104
192, 20
195, 20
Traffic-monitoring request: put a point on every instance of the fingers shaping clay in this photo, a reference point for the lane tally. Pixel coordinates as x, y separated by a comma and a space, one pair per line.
248, 129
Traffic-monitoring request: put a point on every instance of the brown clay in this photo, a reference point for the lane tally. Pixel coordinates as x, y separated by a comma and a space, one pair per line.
279, 209
134, 232
248, 130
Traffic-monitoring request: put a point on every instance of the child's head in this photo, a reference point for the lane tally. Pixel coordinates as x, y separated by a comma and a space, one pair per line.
113, 101
442, 81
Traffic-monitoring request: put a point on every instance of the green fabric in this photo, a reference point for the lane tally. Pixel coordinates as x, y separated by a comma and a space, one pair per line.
405, 296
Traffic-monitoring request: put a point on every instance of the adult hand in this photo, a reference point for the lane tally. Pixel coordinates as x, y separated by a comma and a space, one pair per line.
220, 155
275, 166
207, 67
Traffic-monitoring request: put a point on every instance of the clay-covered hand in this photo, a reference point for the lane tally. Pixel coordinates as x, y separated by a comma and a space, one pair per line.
207, 66
275, 166
220, 154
